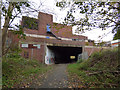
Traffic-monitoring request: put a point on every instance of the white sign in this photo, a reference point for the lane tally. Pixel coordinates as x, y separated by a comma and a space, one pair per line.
25, 45
37, 45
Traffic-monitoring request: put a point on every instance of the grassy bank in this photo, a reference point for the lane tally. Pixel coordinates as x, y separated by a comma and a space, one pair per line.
18, 72
101, 70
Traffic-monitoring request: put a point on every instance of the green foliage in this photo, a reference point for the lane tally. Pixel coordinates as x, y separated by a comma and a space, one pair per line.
101, 43
79, 61
106, 61
19, 32
96, 55
86, 43
7, 9
117, 35
92, 14
74, 68
13, 51
17, 5
84, 65
61, 4
17, 71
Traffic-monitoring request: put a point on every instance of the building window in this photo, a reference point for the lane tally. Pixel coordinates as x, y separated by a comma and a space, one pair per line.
73, 39
47, 37
30, 23
48, 28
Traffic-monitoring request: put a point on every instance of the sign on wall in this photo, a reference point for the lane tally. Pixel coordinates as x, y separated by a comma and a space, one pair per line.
24, 45
30, 46
36, 45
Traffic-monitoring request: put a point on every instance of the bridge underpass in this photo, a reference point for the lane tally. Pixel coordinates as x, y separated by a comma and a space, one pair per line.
64, 54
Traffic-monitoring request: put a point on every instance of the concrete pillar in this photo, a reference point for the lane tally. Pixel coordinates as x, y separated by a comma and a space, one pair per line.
84, 53
83, 49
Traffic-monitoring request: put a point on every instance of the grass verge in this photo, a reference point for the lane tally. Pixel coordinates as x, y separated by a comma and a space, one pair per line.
18, 72
101, 70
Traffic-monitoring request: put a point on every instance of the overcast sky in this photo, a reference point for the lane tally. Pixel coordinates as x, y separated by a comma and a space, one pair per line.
49, 6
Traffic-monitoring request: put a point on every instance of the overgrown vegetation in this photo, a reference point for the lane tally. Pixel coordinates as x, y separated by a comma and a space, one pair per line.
117, 35
101, 70
18, 72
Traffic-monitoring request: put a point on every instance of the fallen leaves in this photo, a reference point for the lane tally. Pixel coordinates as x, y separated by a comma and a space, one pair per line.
75, 82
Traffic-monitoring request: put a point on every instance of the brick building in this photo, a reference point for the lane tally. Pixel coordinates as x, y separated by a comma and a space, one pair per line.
115, 43
51, 42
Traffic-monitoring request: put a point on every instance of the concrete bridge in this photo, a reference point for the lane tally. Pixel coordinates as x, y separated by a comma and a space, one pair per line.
51, 42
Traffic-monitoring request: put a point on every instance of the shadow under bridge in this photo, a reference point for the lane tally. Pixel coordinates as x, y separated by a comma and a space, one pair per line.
65, 54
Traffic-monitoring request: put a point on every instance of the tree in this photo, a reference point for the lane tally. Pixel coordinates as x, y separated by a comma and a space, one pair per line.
7, 12
10, 11
88, 15
117, 35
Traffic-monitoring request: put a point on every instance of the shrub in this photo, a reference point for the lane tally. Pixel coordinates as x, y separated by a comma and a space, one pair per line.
89, 71
79, 61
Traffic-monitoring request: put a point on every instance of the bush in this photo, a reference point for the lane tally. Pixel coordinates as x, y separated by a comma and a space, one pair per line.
84, 65
79, 61
105, 62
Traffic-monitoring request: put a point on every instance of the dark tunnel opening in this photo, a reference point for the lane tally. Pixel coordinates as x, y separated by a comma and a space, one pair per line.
65, 54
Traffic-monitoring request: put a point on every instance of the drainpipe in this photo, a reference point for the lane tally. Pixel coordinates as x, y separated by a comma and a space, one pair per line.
44, 52
31, 53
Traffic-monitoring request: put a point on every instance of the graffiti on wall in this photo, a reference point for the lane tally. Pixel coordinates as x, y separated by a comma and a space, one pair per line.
50, 60
50, 56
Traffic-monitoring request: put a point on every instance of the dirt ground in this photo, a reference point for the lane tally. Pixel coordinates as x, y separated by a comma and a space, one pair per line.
55, 78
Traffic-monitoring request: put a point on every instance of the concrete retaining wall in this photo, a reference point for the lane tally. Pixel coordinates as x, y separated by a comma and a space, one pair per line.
49, 57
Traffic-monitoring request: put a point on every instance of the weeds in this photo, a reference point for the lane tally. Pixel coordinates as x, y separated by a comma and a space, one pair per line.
99, 70
16, 69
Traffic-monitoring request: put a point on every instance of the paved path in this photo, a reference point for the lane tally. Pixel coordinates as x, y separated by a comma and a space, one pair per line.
56, 78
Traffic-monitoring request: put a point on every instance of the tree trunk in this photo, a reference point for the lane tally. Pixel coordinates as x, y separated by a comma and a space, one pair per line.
0, 34
6, 26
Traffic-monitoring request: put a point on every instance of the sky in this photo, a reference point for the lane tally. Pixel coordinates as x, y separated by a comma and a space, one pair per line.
49, 6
